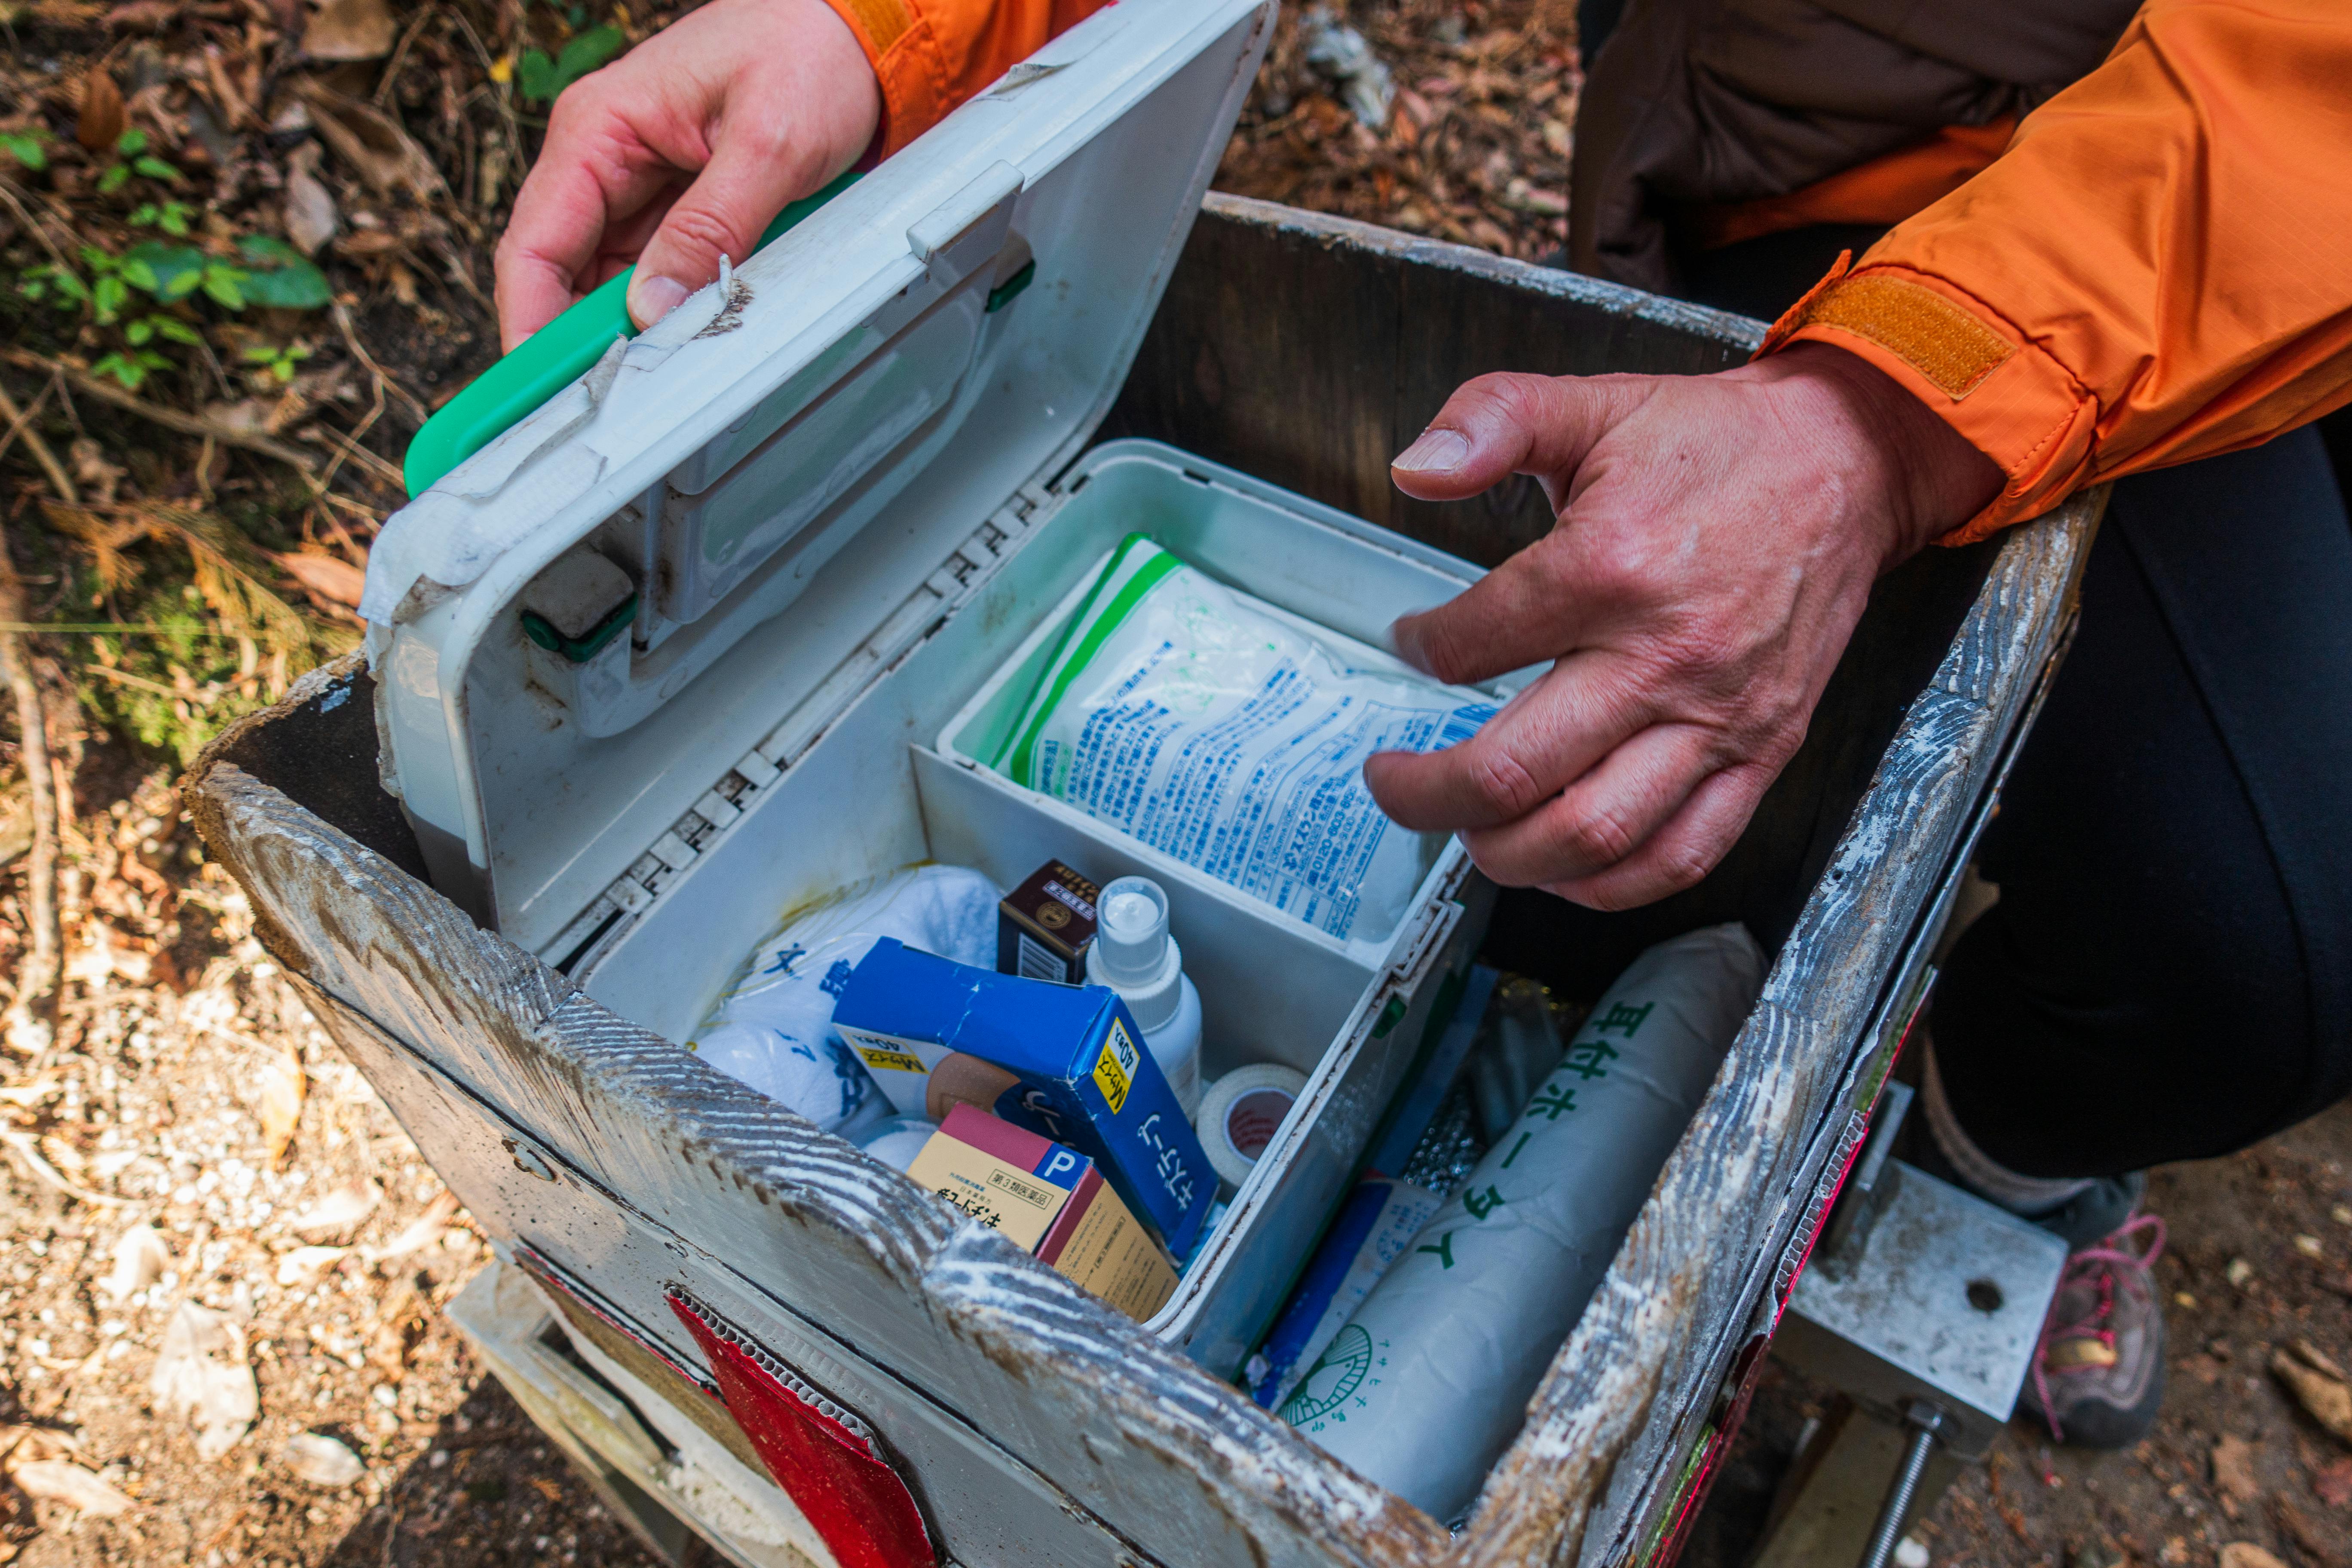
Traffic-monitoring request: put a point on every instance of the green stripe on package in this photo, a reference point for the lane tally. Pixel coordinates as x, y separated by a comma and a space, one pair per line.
1225, 734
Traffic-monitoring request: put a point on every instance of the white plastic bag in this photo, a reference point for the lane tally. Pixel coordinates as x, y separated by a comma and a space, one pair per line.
774, 1026
1427, 1383
1222, 732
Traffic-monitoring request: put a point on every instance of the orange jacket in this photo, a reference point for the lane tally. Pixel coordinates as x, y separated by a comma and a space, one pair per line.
932, 55
2157, 267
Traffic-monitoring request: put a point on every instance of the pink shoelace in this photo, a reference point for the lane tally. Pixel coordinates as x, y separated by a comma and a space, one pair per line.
2097, 1264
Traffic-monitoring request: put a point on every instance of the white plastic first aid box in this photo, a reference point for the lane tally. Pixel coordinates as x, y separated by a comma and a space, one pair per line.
690, 645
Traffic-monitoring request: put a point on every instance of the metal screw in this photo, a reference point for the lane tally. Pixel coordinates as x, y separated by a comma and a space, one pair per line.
1926, 1422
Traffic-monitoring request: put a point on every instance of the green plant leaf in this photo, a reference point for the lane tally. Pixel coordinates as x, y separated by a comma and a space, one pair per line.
112, 181
27, 147
178, 331
535, 74
224, 285
155, 169
258, 353
173, 219
542, 79
123, 368
138, 332
107, 296
166, 271
280, 277
131, 142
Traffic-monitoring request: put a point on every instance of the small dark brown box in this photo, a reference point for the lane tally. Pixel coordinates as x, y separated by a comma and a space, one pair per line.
1043, 927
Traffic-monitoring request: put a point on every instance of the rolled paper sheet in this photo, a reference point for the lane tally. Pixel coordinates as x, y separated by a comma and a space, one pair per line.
1428, 1382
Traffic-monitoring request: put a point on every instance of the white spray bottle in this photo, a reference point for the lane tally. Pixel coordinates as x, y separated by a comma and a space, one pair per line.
1133, 953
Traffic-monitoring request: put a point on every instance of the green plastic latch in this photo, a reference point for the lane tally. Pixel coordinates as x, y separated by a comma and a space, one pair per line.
550, 360
579, 650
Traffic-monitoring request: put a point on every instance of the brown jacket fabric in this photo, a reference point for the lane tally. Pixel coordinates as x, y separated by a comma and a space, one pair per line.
1698, 105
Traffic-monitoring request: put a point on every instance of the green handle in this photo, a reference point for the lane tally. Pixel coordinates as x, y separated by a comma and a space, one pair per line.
550, 360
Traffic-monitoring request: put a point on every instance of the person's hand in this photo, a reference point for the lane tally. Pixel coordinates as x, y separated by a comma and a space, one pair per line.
1717, 542
683, 150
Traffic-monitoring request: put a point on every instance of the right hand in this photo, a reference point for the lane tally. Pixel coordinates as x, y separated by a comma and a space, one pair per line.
683, 149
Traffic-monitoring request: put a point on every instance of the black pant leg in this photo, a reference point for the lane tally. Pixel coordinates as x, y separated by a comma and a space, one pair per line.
2168, 972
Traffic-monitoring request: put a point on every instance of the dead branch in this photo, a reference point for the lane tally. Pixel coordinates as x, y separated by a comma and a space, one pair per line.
20, 427
37, 979
170, 418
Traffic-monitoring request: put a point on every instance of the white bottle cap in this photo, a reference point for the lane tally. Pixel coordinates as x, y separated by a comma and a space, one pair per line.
1132, 952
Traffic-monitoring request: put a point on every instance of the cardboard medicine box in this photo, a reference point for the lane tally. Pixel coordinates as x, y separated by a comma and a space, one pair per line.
1081, 1074
1050, 1199
1043, 925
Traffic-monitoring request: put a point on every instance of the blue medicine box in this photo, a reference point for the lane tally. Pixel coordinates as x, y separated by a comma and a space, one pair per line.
1084, 1078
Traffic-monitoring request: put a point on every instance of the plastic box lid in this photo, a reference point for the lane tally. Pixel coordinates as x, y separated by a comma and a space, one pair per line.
578, 626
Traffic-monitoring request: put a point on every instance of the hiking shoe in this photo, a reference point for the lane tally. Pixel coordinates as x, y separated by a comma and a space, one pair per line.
2098, 1373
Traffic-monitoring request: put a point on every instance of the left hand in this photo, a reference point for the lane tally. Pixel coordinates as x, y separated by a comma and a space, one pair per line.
1717, 539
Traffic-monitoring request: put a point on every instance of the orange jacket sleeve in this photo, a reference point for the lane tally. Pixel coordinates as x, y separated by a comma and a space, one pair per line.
932, 55
2158, 267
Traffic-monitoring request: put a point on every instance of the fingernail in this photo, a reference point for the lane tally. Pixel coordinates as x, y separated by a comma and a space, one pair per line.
1437, 451
651, 298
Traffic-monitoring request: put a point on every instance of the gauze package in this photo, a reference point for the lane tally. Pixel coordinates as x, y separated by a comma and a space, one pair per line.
1428, 1383
772, 1028
1222, 733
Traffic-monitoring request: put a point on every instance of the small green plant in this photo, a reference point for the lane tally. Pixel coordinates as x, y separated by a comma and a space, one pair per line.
542, 80
277, 361
170, 216
132, 157
146, 328
173, 272
29, 148
131, 366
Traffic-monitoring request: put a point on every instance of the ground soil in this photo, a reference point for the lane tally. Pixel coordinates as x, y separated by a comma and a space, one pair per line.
179, 1050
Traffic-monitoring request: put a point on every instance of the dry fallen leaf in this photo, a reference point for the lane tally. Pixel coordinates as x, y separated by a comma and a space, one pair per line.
305, 1266
2246, 1554
372, 142
340, 1210
321, 1461
2326, 1398
311, 219
2233, 1473
102, 120
349, 30
2332, 1483
58, 1480
419, 1232
281, 1101
140, 1258
329, 577
200, 1373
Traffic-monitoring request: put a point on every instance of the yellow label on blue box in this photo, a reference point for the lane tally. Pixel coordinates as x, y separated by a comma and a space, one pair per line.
1115, 1068
1081, 1076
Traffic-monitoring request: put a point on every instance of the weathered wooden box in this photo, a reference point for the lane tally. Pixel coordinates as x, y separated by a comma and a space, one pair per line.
623, 1180
836, 506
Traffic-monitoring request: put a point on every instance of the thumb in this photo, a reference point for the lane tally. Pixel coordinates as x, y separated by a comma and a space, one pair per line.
1507, 424
723, 212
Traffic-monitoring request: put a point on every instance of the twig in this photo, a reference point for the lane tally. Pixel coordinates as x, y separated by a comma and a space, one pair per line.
170, 418
9, 195
125, 677
20, 423
23, 1143
383, 379
400, 57
37, 979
